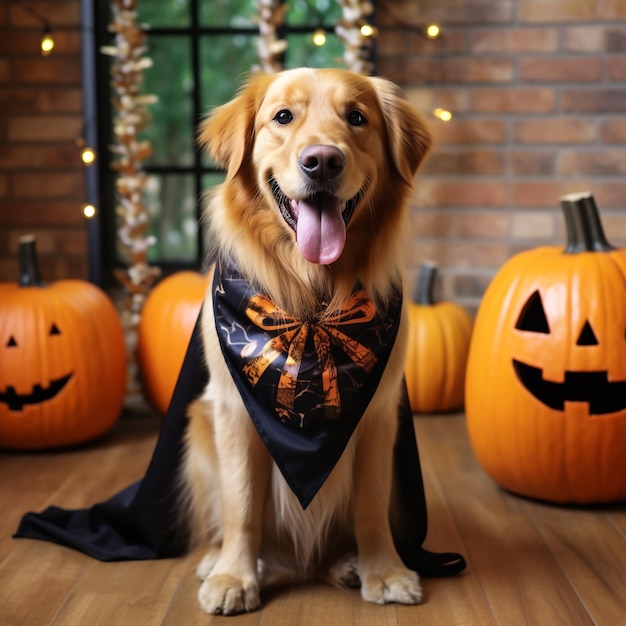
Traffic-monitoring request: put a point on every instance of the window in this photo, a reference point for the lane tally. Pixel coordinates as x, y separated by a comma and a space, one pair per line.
200, 49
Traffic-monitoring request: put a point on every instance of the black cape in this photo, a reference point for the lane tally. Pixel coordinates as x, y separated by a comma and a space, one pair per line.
139, 522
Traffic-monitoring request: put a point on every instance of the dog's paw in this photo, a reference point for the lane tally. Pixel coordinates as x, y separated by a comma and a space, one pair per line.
223, 594
393, 585
345, 571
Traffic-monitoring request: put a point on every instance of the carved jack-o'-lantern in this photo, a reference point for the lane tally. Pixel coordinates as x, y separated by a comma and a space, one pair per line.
62, 360
546, 375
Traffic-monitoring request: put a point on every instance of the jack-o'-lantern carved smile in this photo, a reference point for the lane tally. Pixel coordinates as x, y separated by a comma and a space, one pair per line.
592, 387
17, 401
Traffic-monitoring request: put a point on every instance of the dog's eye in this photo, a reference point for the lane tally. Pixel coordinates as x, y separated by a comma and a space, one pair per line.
284, 116
356, 118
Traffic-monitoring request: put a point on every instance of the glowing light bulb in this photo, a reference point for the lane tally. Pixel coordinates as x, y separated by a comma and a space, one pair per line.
443, 114
367, 30
89, 210
47, 43
433, 31
87, 155
319, 37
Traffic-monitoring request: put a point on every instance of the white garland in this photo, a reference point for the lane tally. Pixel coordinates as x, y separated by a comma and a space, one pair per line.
350, 30
269, 47
129, 152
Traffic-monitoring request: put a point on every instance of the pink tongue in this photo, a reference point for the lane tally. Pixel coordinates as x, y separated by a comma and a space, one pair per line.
320, 232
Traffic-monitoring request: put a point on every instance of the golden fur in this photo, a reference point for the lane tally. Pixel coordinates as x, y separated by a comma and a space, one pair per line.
255, 531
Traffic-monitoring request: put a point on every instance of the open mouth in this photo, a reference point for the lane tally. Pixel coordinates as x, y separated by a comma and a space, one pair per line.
319, 221
593, 388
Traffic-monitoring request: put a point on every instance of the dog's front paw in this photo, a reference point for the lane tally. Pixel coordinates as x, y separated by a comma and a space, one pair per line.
393, 585
224, 594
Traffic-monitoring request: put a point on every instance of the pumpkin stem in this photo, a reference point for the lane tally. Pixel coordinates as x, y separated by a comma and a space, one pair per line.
583, 225
426, 284
30, 275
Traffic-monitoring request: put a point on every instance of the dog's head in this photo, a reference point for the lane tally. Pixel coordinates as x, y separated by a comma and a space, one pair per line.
329, 150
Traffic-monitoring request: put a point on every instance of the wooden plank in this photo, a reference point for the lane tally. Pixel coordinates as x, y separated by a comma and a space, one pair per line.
113, 464
116, 594
592, 553
314, 604
456, 600
617, 515
27, 483
73, 478
35, 579
519, 576
528, 563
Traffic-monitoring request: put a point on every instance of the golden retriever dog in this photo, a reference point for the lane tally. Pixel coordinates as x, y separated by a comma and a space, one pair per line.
313, 215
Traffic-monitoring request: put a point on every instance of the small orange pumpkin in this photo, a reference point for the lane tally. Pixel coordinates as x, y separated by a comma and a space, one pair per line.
438, 343
546, 376
62, 360
167, 321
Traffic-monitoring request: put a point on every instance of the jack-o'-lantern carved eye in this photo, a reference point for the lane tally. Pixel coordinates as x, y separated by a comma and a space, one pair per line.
587, 337
533, 317
12, 342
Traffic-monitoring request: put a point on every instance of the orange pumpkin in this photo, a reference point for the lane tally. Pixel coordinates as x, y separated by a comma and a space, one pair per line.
62, 360
167, 321
438, 343
546, 378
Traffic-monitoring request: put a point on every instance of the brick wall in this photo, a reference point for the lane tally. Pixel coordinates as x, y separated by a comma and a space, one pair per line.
41, 175
538, 93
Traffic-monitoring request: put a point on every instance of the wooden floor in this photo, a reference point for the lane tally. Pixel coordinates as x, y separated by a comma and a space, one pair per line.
528, 563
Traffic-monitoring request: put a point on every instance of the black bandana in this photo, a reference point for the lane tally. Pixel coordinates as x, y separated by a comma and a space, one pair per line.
305, 384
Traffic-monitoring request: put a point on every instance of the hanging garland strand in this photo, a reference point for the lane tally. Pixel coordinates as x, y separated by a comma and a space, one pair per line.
129, 151
269, 48
357, 35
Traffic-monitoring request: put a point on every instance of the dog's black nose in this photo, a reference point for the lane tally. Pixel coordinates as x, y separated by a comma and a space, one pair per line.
321, 162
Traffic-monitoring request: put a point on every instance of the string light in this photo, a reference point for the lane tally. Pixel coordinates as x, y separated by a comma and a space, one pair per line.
47, 43
89, 210
319, 37
87, 154
442, 114
367, 30
433, 31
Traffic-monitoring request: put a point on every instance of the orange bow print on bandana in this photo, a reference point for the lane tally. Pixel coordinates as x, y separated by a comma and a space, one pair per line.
290, 337
305, 385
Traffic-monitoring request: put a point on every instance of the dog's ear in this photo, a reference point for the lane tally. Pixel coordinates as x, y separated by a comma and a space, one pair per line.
228, 133
409, 136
